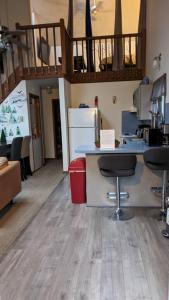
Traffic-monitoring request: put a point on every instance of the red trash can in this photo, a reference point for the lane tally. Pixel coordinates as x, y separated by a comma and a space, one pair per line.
77, 175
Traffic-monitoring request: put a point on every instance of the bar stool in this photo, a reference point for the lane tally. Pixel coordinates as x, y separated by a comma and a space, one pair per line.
118, 165
158, 159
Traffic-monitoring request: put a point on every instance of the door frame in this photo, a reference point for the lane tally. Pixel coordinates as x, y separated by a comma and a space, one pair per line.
54, 127
31, 95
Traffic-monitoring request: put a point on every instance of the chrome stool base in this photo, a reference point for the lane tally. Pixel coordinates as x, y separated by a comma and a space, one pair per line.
121, 214
113, 195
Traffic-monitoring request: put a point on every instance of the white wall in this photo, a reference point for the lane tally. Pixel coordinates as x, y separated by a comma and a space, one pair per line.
65, 100
14, 113
48, 121
111, 113
158, 37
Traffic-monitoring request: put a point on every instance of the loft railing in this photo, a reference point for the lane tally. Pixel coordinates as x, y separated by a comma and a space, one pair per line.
45, 49
49, 51
9, 70
109, 53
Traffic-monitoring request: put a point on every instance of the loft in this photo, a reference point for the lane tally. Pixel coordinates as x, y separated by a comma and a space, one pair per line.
50, 50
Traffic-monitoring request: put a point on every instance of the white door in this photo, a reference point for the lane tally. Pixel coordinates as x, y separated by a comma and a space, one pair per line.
82, 117
80, 137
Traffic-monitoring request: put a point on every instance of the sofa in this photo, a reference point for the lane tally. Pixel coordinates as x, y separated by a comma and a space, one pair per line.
10, 182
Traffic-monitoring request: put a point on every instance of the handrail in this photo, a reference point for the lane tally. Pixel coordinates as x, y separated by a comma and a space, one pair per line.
101, 37
37, 26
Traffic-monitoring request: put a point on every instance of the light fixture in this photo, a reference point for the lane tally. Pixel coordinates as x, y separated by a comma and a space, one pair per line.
94, 8
157, 62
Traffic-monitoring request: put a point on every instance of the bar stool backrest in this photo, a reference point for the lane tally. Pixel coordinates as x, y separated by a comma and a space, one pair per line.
25, 151
16, 146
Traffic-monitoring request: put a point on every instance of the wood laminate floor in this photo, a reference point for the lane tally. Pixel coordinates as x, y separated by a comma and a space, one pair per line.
71, 252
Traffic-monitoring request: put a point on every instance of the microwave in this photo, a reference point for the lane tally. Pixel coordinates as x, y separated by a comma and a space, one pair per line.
152, 136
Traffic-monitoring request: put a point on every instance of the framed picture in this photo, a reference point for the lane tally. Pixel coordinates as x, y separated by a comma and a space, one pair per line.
43, 50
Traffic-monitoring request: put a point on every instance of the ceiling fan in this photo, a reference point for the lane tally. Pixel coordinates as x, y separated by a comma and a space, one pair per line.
8, 38
98, 7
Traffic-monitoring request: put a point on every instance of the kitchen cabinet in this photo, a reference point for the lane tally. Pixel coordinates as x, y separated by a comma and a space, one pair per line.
141, 100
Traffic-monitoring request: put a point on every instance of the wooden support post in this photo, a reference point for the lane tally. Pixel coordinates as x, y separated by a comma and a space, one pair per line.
63, 46
20, 54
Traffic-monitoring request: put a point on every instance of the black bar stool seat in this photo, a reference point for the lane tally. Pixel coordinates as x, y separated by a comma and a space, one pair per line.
118, 165
158, 159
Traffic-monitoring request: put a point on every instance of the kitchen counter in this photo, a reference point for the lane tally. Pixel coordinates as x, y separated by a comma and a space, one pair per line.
138, 186
132, 147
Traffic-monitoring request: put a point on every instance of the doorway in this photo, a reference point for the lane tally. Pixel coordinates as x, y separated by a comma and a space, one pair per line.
36, 131
57, 128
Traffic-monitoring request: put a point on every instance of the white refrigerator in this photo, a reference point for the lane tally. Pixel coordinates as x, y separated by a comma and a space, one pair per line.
84, 128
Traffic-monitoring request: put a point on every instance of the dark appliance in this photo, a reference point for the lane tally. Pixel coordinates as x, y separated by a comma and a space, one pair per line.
153, 136
165, 131
140, 130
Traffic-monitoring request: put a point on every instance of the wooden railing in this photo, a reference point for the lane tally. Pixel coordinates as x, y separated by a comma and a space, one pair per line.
111, 53
50, 52
44, 54
9, 70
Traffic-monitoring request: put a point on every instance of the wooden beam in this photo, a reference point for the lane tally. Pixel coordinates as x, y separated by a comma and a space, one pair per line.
70, 19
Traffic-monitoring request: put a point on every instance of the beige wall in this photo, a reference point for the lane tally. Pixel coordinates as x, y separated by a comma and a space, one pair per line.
158, 37
12, 11
48, 121
111, 113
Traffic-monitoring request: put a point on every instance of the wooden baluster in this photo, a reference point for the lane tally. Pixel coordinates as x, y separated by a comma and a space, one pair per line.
88, 56
76, 57
6, 84
83, 55
135, 51
63, 45
40, 44
124, 51
34, 50
20, 54
27, 52
13, 62
106, 52
112, 53
55, 56
100, 54
47, 40
94, 48
130, 55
